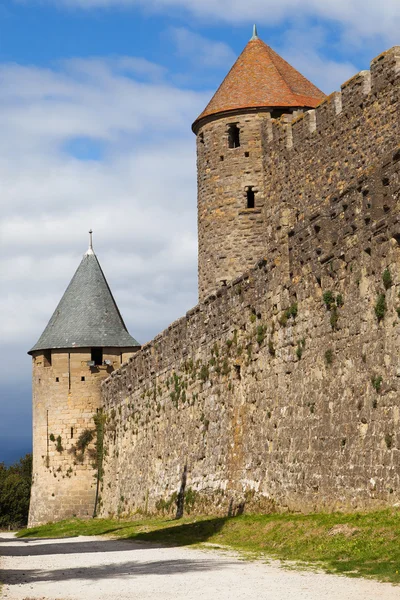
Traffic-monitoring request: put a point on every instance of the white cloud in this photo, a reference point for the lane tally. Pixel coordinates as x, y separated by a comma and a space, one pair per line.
301, 46
201, 51
359, 17
139, 197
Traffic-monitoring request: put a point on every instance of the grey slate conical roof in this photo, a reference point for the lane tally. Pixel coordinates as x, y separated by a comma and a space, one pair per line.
87, 315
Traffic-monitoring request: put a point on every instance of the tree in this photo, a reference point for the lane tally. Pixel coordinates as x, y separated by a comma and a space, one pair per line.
15, 491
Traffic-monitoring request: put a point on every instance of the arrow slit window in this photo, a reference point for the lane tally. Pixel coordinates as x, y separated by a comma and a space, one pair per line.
233, 136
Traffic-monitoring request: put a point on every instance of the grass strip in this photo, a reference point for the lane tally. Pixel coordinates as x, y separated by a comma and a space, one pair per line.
356, 544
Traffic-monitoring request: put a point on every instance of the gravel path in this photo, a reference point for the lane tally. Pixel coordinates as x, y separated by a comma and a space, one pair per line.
98, 568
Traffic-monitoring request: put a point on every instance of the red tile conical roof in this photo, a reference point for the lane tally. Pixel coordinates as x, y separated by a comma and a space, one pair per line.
260, 78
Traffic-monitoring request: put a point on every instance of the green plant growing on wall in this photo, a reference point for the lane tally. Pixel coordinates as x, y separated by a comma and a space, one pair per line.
164, 506
204, 373
387, 279
377, 382
380, 307
332, 304
261, 331
289, 313
271, 348
329, 357
283, 319
191, 497
328, 299
225, 367
59, 446
52, 437
389, 440
99, 421
84, 440
334, 317
215, 350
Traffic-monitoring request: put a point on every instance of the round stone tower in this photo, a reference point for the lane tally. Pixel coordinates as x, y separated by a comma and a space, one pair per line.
84, 341
260, 86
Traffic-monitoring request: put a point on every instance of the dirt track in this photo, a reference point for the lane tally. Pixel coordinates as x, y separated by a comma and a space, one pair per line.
96, 568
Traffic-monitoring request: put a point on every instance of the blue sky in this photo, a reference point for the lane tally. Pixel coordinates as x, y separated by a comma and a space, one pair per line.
96, 102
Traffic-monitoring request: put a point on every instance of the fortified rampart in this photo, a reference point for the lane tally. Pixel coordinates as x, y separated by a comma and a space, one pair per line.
311, 163
283, 387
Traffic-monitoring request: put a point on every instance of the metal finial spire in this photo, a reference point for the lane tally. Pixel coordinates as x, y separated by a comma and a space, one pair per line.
255, 34
90, 251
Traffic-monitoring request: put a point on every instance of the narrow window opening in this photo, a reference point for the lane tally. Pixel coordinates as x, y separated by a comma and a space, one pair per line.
82, 379
47, 358
72, 432
57, 379
221, 158
234, 136
97, 356
201, 138
251, 197
247, 154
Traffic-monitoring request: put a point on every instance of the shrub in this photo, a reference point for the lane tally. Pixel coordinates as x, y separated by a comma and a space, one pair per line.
329, 357
387, 279
380, 307
339, 300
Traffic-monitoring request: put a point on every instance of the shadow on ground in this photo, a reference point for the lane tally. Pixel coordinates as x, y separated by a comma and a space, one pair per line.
110, 571
184, 534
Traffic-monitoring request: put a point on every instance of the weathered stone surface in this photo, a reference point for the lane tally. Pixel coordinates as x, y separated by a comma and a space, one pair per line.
272, 390
66, 395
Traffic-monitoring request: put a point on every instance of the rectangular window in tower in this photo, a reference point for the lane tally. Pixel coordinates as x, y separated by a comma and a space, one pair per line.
97, 356
47, 358
251, 197
233, 136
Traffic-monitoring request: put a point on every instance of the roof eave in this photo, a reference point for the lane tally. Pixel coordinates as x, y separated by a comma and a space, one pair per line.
43, 348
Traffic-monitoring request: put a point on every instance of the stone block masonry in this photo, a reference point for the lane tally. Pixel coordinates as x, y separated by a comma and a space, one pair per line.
282, 388
66, 396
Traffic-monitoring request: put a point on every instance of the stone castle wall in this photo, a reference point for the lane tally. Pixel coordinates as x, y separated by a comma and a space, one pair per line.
311, 162
283, 387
